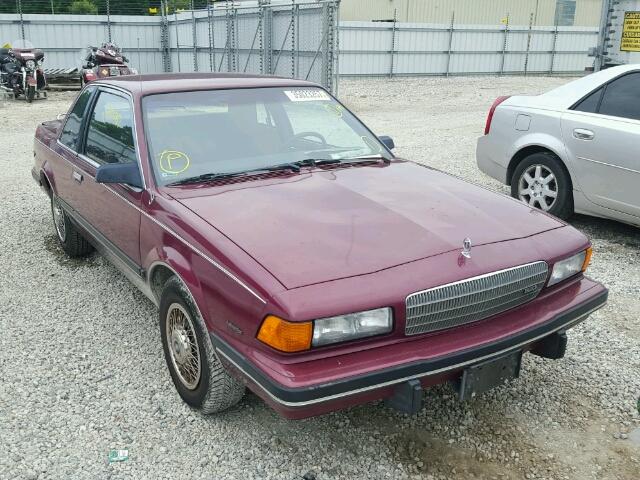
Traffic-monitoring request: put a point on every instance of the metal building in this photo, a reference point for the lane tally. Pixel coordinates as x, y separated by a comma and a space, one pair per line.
585, 13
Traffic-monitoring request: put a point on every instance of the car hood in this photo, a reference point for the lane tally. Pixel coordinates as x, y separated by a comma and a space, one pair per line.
323, 225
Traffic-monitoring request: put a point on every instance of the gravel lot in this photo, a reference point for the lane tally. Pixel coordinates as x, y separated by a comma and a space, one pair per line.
82, 370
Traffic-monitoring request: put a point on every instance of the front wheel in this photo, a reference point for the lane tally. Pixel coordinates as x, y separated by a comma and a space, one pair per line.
541, 181
197, 373
30, 94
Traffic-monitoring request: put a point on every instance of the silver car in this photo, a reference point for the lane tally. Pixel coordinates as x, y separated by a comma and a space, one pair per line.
573, 149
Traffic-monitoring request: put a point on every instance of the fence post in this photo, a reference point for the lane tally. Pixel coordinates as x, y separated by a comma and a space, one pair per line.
553, 48
164, 36
293, 38
175, 19
21, 19
108, 21
267, 33
453, 17
194, 32
336, 85
504, 45
393, 42
212, 58
526, 56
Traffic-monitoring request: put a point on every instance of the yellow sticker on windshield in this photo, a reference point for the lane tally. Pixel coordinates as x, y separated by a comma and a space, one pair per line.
174, 162
336, 109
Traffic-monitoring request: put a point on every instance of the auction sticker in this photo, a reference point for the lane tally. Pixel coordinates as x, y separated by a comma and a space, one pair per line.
307, 95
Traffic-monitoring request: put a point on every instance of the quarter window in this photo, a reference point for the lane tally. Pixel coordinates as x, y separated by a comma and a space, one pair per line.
70, 135
590, 104
622, 97
110, 132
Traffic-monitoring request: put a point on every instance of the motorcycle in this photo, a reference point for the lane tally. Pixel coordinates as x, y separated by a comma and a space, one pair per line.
104, 61
21, 70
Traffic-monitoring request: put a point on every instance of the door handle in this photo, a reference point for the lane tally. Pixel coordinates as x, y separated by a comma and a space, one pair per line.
77, 176
583, 134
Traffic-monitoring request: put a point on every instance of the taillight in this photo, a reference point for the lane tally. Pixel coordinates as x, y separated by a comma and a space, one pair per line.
492, 110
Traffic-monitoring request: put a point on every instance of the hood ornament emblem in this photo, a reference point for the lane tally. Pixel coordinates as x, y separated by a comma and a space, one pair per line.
466, 248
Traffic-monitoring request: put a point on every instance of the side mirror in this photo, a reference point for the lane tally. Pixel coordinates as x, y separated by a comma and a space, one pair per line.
387, 141
127, 173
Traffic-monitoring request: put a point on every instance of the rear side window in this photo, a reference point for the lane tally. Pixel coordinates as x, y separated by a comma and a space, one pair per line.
110, 131
70, 135
590, 104
622, 97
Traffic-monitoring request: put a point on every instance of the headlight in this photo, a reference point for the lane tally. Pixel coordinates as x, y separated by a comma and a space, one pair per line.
351, 326
299, 336
570, 266
31, 64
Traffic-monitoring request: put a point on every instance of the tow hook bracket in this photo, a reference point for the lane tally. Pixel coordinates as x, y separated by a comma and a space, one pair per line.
554, 346
407, 397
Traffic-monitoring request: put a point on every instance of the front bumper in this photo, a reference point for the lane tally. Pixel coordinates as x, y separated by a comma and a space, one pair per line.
324, 396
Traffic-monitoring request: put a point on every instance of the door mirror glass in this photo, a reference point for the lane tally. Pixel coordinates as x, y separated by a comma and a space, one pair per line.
127, 173
387, 141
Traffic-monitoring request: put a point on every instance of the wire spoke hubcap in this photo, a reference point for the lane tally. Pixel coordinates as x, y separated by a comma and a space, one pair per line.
183, 346
58, 220
538, 187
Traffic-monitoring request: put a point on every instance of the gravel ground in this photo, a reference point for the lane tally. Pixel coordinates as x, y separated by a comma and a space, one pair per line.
82, 370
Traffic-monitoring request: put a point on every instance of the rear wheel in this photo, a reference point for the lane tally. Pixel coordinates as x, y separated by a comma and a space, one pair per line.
71, 241
196, 371
541, 181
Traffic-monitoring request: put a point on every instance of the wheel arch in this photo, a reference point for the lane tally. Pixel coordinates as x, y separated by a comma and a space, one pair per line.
162, 270
525, 151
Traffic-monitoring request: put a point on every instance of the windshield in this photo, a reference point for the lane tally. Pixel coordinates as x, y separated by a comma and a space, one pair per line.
228, 131
22, 45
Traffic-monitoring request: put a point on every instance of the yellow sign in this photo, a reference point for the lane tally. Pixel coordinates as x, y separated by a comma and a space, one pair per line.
504, 20
631, 32
173, 162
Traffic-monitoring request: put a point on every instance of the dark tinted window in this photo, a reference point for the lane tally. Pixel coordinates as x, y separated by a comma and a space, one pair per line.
110, 132
590, 104
71, 130
622, 97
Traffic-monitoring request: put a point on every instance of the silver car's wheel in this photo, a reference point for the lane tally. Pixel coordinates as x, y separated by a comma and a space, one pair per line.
538, 187
183, 346
59, 220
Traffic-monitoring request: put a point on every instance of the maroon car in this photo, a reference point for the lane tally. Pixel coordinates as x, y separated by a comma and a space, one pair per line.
291, 252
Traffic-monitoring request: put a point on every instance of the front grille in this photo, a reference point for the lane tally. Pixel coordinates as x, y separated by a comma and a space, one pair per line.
473, 299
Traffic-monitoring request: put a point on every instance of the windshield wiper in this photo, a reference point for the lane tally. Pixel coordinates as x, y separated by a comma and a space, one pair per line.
207, 177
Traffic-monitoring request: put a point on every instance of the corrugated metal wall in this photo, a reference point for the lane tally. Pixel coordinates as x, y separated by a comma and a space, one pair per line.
479, 12
376, 49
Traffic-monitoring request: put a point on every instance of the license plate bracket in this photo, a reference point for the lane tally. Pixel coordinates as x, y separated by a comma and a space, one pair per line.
489, 374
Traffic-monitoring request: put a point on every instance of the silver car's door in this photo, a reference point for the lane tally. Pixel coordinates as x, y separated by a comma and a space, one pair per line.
602, 137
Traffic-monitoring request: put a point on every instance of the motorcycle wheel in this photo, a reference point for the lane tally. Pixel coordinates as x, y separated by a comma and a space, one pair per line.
30, 94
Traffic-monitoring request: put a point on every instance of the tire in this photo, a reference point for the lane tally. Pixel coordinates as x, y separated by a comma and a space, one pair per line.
71, 240
30, 94
211, 389
532, 184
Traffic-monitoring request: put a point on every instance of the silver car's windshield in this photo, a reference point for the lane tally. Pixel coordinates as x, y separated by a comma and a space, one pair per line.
228, 131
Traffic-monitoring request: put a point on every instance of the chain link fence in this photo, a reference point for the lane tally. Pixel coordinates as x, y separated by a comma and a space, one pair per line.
291, 38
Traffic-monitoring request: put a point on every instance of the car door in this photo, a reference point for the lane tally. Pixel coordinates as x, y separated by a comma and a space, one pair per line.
112, 211
67, 146
602, 134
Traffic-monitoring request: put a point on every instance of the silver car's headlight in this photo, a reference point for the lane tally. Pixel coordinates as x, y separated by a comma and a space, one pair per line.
351, 326
570, 266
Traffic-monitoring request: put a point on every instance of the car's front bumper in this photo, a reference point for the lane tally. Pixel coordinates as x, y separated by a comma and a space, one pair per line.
295, 393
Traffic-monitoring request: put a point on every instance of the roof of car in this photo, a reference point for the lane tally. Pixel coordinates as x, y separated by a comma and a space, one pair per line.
179, 82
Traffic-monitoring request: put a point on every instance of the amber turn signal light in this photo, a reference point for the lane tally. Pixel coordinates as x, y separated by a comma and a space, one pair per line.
587, 258
286, 336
